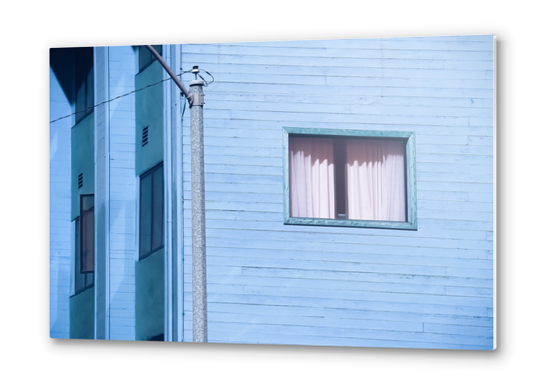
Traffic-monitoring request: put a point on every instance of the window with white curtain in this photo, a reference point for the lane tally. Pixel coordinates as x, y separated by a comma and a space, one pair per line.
350, 178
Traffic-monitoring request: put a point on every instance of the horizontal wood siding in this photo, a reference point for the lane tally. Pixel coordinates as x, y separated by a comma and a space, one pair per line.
277, 284
101, 188
59, 216
122, 194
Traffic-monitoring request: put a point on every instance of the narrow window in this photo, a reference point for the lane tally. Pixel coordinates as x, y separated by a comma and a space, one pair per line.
87, 234
80, 282
151, 211
84, 244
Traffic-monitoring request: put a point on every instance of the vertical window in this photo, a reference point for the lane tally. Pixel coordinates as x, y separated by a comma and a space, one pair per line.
84, 244
358, 178
151, 211
146, 57
84, 83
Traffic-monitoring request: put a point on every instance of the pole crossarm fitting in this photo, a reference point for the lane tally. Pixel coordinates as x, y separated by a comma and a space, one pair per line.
193, 99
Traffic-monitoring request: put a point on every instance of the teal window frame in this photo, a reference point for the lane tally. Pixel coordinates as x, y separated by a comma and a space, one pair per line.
411, 198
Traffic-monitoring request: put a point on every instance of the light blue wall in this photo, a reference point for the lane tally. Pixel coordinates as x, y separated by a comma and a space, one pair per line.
271, 283
101, 197
59, 218
116, 191
123, 190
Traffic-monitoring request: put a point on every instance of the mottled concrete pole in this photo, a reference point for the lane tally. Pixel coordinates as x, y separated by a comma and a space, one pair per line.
199, 274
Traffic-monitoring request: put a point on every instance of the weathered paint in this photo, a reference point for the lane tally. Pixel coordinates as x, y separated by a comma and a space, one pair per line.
271, 283
149, 296
82, 315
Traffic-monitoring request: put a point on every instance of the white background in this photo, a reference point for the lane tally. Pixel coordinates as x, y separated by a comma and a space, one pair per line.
28, 30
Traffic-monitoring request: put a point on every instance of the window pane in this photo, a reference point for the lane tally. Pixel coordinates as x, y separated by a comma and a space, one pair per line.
158, 208
87, 202
376, 179
87, 246
312, 181
87, 234
79, 277
145, 214
339, 156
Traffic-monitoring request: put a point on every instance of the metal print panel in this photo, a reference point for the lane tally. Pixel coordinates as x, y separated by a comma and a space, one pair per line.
330, 193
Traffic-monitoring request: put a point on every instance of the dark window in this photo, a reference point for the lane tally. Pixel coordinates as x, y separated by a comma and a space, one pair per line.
84, 244
151, 211
146, 57
84, 83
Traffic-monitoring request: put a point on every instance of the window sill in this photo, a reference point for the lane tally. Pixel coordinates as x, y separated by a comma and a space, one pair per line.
413, 226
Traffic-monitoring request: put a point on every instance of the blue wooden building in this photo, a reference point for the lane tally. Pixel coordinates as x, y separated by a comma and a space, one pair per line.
280, 269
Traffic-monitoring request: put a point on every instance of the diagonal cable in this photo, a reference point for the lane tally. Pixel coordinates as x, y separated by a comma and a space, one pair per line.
115, 98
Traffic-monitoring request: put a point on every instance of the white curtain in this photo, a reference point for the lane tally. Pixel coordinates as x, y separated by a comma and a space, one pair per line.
376, 179
312, 184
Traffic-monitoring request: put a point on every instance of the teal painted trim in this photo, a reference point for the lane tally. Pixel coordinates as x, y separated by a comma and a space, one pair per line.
286, 174
347, 132
350, 223
410, 151
412, 199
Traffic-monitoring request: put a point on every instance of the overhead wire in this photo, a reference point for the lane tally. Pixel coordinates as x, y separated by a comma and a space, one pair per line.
206, 83
117, 97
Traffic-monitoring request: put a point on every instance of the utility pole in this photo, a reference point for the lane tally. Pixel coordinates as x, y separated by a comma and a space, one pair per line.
199, 265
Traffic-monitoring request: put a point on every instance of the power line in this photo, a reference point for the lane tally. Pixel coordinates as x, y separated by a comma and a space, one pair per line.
115, 98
